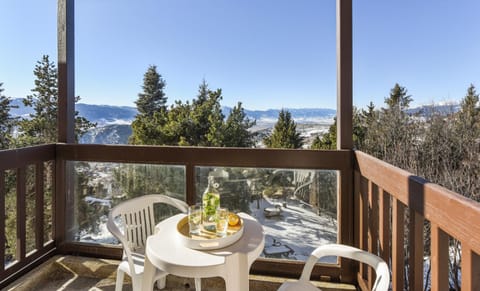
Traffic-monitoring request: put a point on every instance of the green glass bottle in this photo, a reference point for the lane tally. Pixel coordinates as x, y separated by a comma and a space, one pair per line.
210, 201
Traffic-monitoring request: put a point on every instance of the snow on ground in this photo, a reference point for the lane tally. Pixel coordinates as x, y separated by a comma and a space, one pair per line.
297, 227
298, 230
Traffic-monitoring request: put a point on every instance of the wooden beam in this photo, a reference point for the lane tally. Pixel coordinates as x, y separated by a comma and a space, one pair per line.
344, 75
66, 71
208, 156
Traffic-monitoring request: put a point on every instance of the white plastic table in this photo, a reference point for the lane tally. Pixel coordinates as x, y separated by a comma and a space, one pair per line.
165, 251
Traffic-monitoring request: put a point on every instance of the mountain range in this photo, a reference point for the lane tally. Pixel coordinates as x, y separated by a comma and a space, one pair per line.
110, 114
113, 122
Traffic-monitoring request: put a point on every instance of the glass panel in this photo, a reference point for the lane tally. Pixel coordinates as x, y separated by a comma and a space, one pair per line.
297, 208
100, 186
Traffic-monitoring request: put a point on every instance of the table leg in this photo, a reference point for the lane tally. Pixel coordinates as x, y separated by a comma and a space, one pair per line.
148, 275
237, 273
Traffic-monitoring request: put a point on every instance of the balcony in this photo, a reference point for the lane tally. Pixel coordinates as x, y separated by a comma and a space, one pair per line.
380, 208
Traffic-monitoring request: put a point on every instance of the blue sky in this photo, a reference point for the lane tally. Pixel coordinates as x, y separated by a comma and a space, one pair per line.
265, 53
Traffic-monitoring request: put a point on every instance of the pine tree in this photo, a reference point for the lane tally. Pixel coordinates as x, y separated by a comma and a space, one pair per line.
396, 133
328, 140
180, 128
7, 122
469, 114
398, 99
153, 98
215, 133
367, 122
237, 127
199, 123
467, 133
285, 133
206, 113
147, 128
41, 127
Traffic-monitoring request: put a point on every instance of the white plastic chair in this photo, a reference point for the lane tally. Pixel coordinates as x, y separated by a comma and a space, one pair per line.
137, 221
382, 280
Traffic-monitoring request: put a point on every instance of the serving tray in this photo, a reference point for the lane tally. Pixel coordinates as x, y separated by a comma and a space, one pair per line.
207, 240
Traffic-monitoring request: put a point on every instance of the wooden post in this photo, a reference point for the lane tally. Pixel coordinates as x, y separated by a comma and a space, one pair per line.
66, 116
344, 129
470, 269
66, 71
344, 75
439, 258
398, 251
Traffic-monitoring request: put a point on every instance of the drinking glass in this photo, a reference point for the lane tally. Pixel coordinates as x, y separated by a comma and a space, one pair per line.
221, 221
195, 218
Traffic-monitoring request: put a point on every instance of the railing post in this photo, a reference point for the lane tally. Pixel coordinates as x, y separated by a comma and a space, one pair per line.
21, 214
344, 75
66, 114
344, 128
439, 258
470, 269
398, 253
66, 71
39, 209
415, 249
2, 221
384, 225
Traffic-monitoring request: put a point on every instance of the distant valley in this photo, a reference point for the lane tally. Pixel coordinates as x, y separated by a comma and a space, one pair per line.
114, 122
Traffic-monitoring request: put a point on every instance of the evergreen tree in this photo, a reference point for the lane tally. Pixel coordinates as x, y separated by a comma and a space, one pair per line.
7, 122
285, 133
215, 134
152, 111
199, 123
237, 127
41, 127
396, 134
467, 133
180, 128
366, 128
398, 99
153, 98
328, 141
207, 117
468, 118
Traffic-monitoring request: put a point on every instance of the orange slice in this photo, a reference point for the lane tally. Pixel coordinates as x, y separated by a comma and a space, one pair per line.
233, 219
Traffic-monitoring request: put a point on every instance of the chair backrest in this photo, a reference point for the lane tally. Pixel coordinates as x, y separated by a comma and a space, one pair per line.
382, 280
302, 180
137, 220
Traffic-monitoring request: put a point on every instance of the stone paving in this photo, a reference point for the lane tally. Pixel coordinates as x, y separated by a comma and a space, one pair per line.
80, 273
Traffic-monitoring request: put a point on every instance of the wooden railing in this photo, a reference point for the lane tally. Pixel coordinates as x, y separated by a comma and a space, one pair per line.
392, 207
24, 175
384, 197
192, 157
